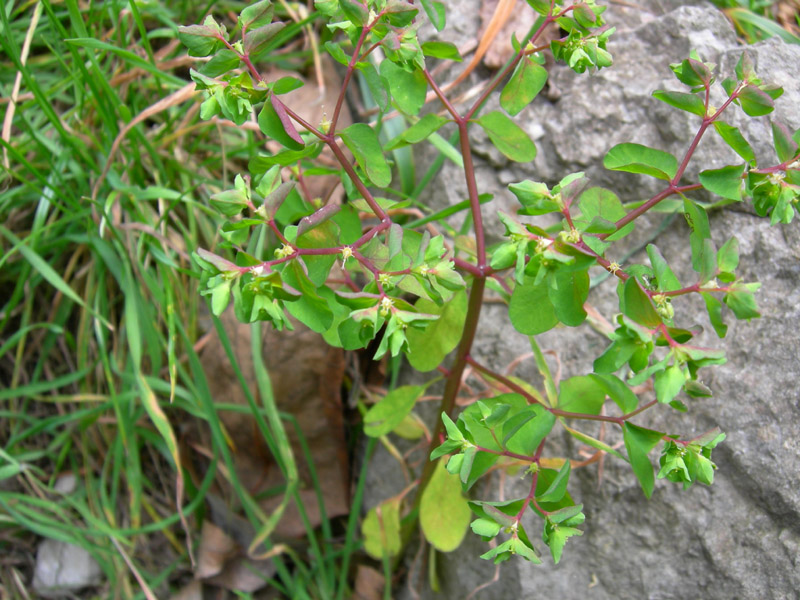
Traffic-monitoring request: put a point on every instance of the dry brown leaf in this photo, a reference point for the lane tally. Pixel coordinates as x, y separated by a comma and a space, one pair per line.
786, 14
500, 49
191, 591
216, 549
306, 378
221, 558
244, 575
369, 584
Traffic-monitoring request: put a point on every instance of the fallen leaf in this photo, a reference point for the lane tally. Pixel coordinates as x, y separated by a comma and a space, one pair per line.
191, 591
369, 584
500, 50
306, 379
216, 548
244, 575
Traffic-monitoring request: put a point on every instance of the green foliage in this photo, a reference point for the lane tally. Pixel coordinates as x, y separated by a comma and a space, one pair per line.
443, 511
508, 137
381, 530
362, 274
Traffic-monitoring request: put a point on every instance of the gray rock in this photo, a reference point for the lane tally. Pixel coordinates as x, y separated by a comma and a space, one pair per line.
739, 538
63, 568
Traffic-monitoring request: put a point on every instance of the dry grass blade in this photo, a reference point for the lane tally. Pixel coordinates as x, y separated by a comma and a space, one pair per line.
145, 588
182, 95
12, 105
501, 15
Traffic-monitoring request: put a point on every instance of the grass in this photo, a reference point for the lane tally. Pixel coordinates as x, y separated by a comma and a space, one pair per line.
756, 20
99, 308
100, 313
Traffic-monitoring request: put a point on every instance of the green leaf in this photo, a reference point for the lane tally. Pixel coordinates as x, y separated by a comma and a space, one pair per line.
400, 13
669, 383
262, 163
202, 40
204, 259
598, 203
618, 391
785, 146
568, 292
220, 296
310, 309
381, 530
436, 13
665, 278
581, 394
486, 528
692, 72
256, 15
689, 102
725, 182
695, 389
376, 84
408, 88
742, 301
222, 62
530, 310
556, 537
322, 236
714, 308
418, 131
728, 256
639, 442
508, 137
503, 512
453, 432
635, 158
336, 52
523, 432
697, 219
387, 414
256, 40
638, 305
526, 82
535, 197
444, 514
349, 224
466, 465
733, 137
566, 514
590, 441
287, 84
555, 492
480, 429
755, 102
708, 261
363, 143
526, 551
428, 348
316, 219
482, 463
274, 122
616, 355
444, 50
355, 12
446, 448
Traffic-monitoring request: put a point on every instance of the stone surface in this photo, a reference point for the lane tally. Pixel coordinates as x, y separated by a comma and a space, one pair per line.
63, 568
739, 538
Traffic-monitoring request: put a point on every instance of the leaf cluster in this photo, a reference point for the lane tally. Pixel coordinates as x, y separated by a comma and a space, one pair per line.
360, 271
